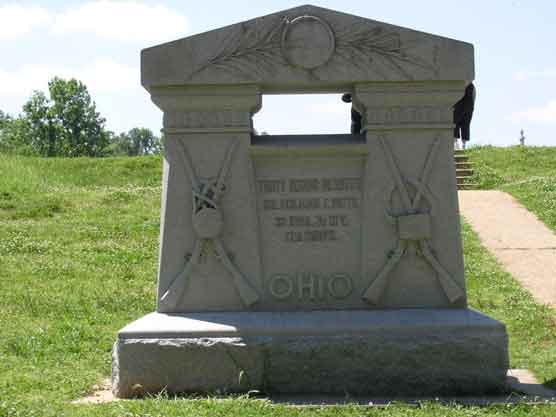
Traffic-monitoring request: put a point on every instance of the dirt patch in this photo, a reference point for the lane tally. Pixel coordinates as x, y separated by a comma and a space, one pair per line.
102, 393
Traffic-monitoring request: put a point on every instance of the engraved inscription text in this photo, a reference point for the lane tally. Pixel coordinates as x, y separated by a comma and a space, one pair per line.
331, 212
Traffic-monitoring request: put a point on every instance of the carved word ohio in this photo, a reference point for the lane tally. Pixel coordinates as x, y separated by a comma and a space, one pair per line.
310, 286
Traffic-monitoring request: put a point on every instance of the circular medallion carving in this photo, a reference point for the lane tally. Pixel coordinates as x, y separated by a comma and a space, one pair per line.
307, 42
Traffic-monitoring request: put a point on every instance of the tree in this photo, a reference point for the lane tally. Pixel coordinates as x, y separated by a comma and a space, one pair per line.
14, 135
44, 131
67, 123
4, 119
138, 141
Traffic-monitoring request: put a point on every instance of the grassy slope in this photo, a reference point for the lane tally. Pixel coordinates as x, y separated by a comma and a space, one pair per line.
78, 253
528, 173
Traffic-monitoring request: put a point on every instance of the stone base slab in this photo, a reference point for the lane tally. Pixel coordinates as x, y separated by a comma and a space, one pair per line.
391, 352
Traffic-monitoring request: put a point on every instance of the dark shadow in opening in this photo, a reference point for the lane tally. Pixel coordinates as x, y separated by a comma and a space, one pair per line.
307, 140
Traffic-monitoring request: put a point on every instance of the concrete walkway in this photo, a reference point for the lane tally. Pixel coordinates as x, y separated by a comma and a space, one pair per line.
521, 242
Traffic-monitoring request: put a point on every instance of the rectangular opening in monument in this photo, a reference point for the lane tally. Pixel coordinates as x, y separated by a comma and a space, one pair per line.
302, 114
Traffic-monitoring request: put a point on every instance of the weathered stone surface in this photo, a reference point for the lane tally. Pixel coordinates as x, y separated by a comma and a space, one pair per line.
381, 352
306, 47
185, 365
314, 263
311, 222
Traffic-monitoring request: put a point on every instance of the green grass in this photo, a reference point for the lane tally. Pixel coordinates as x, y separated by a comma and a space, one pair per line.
528, 173
78, 258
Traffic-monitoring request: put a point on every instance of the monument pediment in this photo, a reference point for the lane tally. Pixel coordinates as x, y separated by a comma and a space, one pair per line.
308, 47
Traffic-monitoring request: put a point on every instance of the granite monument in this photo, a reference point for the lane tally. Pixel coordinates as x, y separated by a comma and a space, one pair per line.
310, 263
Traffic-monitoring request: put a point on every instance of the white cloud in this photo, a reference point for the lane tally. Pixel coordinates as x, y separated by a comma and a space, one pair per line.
126, 20
543, 114
102, 75
106, 75
16, 20
334, 107
534, 75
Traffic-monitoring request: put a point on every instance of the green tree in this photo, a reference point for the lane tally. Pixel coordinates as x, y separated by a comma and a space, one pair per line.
4, 119
137, 141
14, 135
44, 130
66, 123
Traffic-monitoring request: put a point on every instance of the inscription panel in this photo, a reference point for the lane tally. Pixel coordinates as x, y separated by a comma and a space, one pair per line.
310, 220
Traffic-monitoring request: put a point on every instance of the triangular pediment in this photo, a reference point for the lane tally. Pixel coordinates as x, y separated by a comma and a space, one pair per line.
306, 47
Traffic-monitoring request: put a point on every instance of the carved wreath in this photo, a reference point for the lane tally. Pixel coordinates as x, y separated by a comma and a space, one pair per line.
255, 48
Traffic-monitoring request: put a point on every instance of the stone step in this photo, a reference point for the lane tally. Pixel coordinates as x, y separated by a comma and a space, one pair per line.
462, 179
466, 186
464, 172
464, 165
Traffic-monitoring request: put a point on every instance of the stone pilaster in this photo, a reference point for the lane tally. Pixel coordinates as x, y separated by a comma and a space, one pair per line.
409, 135
207, 136
418, 105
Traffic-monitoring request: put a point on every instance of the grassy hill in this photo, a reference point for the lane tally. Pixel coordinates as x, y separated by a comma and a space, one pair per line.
528, 173
78, 260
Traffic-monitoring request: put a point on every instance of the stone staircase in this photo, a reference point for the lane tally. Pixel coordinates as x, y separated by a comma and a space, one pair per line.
464, 170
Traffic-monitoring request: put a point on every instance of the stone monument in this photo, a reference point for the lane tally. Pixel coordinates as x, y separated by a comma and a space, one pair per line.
310, 263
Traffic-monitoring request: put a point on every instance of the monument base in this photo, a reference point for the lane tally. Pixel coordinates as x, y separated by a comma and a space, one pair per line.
387, 352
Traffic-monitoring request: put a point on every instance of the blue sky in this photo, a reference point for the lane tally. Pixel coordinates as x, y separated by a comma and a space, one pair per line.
99, 43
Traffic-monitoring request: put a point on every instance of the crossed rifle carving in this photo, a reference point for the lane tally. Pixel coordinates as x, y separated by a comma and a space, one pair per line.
207, 223
413, 229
